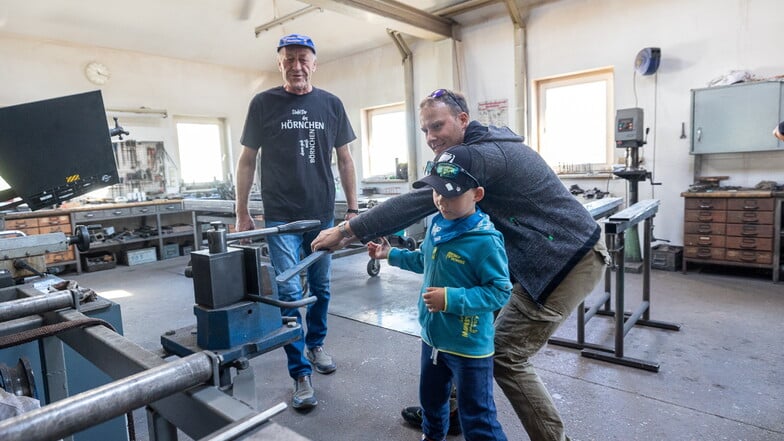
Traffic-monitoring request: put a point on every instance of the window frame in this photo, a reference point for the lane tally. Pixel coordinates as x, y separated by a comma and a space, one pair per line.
542, 85
367, 124
224, 145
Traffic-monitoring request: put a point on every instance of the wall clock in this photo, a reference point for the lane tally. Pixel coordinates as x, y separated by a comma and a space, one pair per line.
97, 73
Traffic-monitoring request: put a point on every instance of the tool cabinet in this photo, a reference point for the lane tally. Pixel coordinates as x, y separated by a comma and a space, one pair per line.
735, 228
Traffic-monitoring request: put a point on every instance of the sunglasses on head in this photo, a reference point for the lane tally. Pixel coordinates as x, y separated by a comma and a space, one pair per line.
440, 93
447, 170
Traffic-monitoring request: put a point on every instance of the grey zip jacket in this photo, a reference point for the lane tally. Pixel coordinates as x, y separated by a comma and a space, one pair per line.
546, 230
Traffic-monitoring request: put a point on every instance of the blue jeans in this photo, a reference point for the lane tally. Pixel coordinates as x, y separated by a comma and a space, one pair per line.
474, 380
285, 251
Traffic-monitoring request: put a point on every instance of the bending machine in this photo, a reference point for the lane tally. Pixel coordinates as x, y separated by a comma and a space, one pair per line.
238, 317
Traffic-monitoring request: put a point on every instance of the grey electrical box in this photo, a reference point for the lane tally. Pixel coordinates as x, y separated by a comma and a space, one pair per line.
628, 128
737, 118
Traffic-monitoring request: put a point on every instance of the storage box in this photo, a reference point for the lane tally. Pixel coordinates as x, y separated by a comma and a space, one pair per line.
98, 261
170, 250
137, 257
666, 257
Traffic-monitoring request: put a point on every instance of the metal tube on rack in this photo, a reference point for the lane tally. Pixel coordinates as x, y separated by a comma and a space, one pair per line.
76, 413
18, 308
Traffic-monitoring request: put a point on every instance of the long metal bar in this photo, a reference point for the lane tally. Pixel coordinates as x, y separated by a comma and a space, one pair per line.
279, 21
632, 319
304, 263
618, 251
392, 14
14, 309
86, 409
646, 266
240, 427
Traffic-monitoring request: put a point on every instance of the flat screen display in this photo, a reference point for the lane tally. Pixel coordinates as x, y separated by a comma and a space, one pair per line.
56, 149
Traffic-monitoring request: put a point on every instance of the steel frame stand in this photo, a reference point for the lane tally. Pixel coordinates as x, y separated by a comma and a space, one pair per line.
615, 228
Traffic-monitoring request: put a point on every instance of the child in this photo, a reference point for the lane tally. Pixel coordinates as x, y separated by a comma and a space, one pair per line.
466, 278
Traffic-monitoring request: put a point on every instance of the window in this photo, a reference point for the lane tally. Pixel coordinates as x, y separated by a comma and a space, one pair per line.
386, 143
574, 120
202, 150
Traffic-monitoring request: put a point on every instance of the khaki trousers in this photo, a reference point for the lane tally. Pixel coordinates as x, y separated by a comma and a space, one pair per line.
523, 327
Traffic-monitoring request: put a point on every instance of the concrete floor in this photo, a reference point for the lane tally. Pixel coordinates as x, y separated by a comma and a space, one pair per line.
719, 379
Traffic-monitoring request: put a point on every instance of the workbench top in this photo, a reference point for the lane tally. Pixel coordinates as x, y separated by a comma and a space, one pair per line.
90, 207
733, 194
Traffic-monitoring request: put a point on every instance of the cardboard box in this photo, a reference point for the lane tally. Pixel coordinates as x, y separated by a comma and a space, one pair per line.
140, 256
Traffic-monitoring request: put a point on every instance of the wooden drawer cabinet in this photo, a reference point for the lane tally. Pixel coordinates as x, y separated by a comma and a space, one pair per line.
21, 224
727, 228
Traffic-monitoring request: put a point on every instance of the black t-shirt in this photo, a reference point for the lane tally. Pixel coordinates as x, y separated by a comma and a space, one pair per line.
296, 135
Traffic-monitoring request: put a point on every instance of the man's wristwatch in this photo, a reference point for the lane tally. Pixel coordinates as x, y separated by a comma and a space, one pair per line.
352, 210
343, 231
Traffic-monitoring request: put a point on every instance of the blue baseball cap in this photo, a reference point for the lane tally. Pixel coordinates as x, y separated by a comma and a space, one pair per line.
297, 40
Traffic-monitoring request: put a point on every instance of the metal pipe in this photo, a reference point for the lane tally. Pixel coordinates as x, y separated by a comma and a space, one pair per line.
279, 21
407, 57
632, 320
240, 427
291, 227
87, 409
14, 309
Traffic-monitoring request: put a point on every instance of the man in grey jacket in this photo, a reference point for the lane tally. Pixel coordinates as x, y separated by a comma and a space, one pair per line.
556, 256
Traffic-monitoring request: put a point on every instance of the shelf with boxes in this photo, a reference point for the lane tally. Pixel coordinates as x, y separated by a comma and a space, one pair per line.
733, 228
137, 233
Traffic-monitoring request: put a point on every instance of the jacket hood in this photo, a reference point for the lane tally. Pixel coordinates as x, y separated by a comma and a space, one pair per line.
476, 132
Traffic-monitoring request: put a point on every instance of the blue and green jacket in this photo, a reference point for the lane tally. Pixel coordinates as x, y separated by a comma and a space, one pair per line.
473, 268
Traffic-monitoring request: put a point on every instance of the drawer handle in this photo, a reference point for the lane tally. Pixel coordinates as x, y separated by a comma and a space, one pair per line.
704, 240
117, 213
144, 210
704, 228
748, 243
705, 217
704, 252
751, 217
89, 215
751, 204
749, 230
705, 206
748, 256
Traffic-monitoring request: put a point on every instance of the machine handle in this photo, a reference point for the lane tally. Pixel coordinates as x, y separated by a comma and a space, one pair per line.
283, 304
81, 238
304, 263
291, 227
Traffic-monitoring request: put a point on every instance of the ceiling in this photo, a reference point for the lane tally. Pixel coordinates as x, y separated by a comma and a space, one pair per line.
224, 31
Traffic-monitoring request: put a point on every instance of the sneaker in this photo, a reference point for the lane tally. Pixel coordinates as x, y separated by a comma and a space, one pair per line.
304, 396
320, 360
413, 416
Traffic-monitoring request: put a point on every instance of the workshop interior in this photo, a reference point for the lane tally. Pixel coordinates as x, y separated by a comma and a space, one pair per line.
132, 309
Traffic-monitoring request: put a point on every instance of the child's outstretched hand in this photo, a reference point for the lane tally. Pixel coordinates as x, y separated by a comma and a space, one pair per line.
435, 298
379, 250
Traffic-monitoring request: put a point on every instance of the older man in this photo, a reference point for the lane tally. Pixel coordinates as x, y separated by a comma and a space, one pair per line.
296, 127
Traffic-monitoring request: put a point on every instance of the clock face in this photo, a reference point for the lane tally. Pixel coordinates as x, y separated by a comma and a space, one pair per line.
97, 73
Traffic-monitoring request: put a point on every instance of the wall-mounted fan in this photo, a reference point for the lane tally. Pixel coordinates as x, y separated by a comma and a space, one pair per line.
647, 61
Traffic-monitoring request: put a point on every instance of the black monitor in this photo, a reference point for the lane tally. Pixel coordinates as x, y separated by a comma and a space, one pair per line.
56, 149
